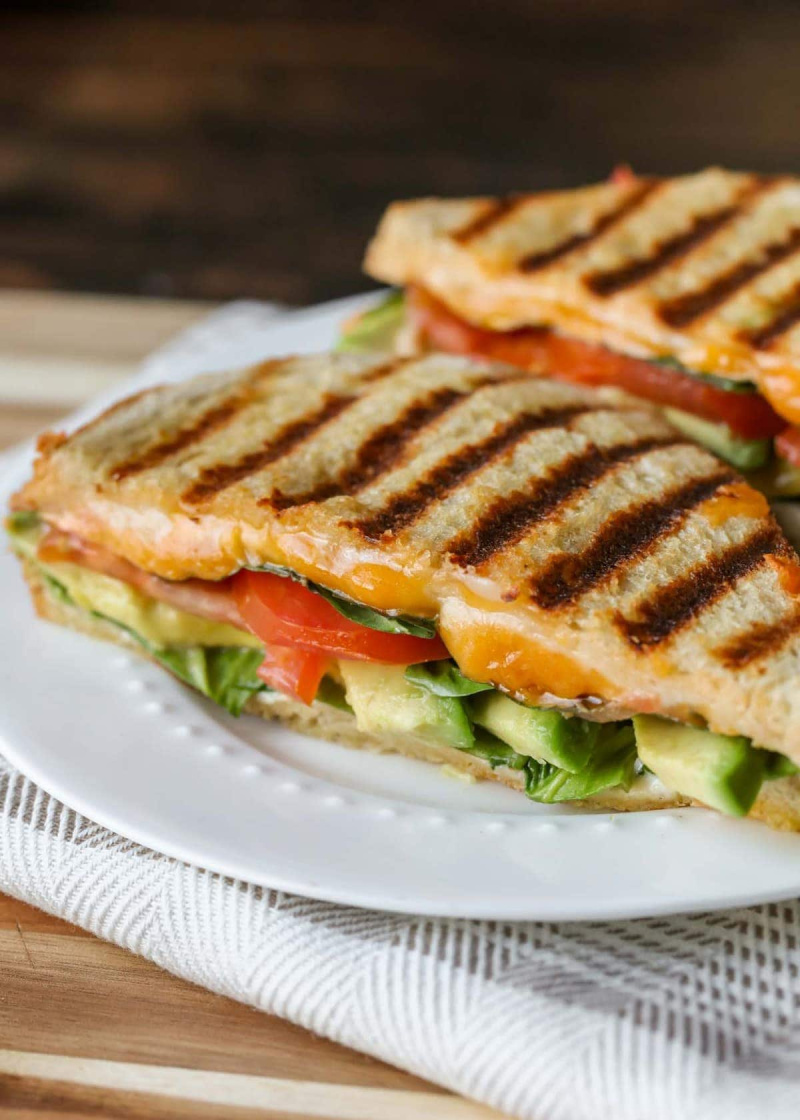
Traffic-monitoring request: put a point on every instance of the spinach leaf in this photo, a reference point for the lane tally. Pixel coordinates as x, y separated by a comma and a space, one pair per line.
495, 751
357, 612
225, 674
22, 520
613, 763
375, 620
726, 383
444, 678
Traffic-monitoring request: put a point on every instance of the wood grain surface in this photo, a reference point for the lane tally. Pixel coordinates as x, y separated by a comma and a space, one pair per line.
207, 149
87, 1029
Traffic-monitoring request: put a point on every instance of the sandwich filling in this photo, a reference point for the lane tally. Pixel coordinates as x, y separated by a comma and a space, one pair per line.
273, 631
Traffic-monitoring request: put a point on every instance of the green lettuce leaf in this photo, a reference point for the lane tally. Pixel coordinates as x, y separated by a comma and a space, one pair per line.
494, 751
375, 620
375, 329
613, 763
726, 383
22, 520
444, 678
224, 674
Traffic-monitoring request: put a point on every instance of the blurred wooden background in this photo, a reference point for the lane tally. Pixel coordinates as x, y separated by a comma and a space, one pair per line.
232, 148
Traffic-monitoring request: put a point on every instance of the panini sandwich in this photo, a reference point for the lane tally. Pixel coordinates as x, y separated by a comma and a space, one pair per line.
683, 291
452, 559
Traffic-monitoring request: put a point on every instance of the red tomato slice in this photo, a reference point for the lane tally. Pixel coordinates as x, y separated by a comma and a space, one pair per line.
296, 672
538, 348
284, 613
787, 445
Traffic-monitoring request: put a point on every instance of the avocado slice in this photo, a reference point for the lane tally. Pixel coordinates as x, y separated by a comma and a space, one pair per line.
383, 700
745, 454
539, 733
723, 771
376, 328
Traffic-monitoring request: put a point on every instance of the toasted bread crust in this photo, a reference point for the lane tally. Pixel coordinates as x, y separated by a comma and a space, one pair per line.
778, 804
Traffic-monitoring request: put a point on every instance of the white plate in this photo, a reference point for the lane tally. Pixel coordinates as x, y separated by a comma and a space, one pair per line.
122, 742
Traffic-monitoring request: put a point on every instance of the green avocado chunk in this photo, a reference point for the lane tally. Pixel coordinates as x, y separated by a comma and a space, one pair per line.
539, 733
745, 454
723, 771
383, 700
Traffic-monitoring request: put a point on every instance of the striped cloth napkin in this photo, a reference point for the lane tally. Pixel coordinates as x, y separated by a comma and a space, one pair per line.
688, 1018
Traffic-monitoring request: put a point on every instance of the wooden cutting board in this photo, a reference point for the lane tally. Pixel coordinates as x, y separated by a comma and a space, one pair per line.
87, 1029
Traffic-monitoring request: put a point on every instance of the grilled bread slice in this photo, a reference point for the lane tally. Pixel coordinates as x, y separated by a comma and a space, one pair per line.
703, 268
576, 555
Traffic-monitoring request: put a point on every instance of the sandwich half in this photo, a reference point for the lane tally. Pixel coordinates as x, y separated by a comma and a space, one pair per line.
683, 291
452, 559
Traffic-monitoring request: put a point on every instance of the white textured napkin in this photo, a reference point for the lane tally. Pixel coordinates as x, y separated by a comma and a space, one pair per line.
691, 1018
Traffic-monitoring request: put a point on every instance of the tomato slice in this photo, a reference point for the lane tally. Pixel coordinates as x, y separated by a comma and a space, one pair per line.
283, 612
787, 445
538, 348
296, 672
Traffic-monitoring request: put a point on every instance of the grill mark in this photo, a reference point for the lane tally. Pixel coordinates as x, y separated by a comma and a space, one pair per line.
787, 315
615, 280
209, 421
405, 508
508, 519
386, 446
759, 641
534, 261
621, 541
220, 476
492, 215
677, 604
118, 406
379, 452
684, 309
385, 369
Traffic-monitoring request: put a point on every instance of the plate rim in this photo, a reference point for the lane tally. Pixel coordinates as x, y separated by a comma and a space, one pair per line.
13, 463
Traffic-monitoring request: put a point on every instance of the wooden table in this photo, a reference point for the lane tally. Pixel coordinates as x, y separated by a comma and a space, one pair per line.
214, 150
87, 1029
